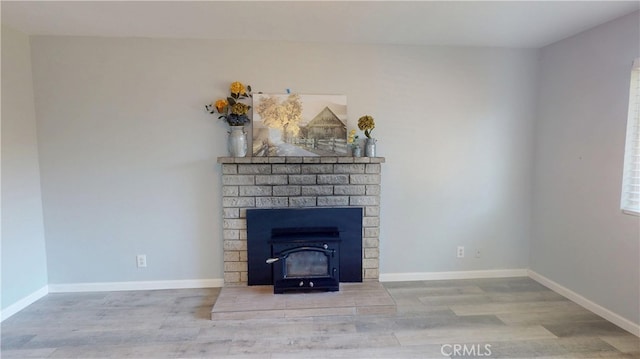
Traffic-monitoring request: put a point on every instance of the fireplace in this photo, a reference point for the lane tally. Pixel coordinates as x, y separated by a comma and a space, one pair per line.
304, 249
272, 183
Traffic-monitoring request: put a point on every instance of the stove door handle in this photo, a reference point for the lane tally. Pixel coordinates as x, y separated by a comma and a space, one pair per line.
286, 253
272, 260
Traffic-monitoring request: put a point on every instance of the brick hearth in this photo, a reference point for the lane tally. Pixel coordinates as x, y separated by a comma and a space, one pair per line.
297, 182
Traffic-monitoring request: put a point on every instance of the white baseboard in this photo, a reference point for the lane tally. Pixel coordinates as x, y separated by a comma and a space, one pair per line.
23, 303
492, 273
614, 318
148, 285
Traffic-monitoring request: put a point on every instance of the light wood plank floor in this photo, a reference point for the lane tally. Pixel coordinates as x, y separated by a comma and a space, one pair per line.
517, 317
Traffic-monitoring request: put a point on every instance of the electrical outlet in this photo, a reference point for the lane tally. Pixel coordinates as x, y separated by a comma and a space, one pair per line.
460, 252
141, 260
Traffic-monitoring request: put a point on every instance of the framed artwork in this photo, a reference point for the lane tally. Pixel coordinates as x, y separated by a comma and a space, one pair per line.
299, 125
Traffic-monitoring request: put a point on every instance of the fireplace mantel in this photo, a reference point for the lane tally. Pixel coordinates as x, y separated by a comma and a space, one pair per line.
298, 182
298, 160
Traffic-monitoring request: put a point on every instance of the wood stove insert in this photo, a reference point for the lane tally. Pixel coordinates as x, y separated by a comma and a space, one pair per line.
306, 258
304, 249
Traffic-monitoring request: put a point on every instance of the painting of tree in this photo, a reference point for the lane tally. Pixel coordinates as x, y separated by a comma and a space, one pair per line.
285, 115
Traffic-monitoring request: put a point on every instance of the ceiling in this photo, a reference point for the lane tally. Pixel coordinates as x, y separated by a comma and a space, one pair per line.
529, 24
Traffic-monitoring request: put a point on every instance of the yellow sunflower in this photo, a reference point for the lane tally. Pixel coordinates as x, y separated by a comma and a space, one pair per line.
237, 88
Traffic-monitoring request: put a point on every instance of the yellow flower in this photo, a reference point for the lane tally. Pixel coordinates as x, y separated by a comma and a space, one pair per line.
230, 109
221, 105
239, 109
237, 88
352, 136
366, 124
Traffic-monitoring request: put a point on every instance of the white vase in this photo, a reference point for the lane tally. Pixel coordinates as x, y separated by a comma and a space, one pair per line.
357, 152
237, 141
370, 147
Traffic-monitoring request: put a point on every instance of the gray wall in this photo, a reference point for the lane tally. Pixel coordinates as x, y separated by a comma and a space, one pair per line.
128, 155
24, 264
581, 240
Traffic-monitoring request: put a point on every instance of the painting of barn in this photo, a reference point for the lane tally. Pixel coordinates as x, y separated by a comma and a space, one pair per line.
299, 125
326, 125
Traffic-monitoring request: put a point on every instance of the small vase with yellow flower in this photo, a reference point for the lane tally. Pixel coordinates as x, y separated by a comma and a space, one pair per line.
352, 140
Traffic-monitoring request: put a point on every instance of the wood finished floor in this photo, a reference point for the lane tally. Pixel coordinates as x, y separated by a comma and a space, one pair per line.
517, 317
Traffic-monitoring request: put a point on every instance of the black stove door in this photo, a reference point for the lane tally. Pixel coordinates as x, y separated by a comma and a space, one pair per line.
306, 268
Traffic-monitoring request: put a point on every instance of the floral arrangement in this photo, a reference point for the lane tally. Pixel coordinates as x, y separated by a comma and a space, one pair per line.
231, 109
366, 124
352, 139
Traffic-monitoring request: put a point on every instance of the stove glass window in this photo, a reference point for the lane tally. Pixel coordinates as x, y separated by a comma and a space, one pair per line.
307, 263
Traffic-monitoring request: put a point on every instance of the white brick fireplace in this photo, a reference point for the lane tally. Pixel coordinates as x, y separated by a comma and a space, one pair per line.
297, 182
